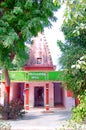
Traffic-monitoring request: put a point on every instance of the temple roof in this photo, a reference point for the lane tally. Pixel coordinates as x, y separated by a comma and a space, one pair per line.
39, 54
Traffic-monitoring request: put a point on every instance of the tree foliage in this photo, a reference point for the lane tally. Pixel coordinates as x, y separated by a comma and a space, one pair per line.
19, 21
79, 72
74, 26
74, 29
73, 58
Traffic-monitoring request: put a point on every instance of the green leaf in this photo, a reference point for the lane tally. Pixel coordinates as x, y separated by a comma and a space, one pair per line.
17, 10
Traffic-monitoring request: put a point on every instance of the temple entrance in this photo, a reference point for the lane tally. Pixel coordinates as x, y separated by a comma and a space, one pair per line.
58, 94
38, 96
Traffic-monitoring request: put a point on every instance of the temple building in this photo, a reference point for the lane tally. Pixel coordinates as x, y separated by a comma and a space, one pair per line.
39, 84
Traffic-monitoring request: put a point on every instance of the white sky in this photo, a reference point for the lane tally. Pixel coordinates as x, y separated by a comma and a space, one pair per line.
54, 34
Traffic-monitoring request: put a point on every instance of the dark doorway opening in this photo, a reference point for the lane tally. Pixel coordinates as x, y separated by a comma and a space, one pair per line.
58, 94
39, 96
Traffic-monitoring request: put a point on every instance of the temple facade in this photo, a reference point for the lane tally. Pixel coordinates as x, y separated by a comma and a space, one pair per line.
38, 90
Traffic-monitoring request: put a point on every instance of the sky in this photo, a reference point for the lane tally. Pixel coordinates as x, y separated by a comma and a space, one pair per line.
54, 34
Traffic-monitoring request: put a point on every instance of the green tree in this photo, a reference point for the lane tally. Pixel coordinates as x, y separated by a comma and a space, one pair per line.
74, 26
19, 21
74, 29
73, 58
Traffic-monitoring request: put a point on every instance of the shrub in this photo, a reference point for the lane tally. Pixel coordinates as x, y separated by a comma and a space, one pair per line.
4, 126
13, 110
79, 112
71, 125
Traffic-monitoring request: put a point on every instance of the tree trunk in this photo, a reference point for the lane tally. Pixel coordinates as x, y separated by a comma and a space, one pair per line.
7, 87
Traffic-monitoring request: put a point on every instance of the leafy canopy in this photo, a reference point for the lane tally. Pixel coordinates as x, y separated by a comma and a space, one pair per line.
74, 29
73, 58
74, 26
19, 21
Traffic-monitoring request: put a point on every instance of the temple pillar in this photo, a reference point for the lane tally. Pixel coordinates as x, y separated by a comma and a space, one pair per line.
77, 101
26, 96
47, 96
6, 93
69, 93
7, 89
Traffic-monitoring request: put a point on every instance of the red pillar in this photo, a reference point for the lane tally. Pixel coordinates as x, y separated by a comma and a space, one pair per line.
77, 101
69, 93
47, 96
7, 93
7, 88
26, 103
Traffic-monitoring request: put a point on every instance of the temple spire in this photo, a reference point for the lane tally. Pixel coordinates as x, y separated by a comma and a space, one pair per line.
39, 53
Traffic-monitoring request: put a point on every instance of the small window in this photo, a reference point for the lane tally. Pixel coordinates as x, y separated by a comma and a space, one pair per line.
39, 60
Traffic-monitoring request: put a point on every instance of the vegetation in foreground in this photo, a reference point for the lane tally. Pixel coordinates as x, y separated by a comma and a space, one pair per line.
13, 110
